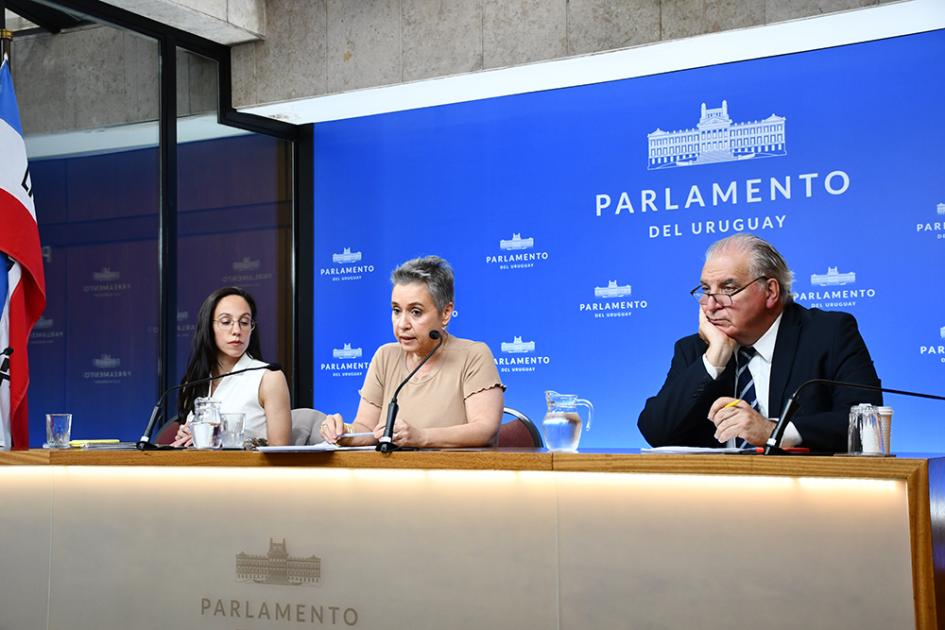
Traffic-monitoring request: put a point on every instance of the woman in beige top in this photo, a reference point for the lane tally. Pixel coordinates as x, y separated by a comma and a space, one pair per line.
456, 398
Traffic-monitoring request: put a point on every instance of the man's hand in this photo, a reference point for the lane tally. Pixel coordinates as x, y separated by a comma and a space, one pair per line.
739, 420
721, 346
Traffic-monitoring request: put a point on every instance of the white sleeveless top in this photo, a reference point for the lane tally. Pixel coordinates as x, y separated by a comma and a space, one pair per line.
240, 394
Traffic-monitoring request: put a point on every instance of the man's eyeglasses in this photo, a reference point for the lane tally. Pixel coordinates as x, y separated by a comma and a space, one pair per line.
226, 323
725, 297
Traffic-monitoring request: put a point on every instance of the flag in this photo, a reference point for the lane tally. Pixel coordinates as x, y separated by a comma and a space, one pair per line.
22, 287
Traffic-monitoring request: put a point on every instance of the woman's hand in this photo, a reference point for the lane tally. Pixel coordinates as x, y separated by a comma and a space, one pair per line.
333, 427
404, 434
183, 437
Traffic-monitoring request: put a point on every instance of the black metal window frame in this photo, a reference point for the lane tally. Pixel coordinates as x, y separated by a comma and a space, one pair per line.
169, 39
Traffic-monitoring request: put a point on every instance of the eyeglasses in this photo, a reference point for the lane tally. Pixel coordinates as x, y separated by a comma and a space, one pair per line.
226, 323
725, 297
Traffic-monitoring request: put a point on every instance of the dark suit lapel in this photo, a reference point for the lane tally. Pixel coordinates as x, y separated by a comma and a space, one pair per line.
785, 349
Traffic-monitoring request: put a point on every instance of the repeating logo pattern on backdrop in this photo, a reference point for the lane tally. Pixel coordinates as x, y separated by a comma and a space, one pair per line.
833, 289
764, 146
106, 283
246, 272
518, 255
518, 355
106, 370
345, 362
611, 301
346, 266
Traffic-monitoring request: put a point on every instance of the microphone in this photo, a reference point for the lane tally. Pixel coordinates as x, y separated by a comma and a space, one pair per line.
773, 445
144, 443
386, 443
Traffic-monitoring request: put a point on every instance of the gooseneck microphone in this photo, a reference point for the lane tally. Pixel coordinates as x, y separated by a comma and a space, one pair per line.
773, 445
386, 443
145, 442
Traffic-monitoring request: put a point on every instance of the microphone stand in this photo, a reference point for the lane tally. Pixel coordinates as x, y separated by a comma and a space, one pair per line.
773, 444
144, 442
386, 443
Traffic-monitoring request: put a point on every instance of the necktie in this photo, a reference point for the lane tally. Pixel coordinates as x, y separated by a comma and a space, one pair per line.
744, 386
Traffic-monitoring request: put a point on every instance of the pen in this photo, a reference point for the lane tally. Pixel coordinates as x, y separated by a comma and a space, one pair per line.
80, 443
354, 435
732, 404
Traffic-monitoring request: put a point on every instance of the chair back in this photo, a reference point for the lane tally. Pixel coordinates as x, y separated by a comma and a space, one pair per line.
519, 432
167, 433
306, 424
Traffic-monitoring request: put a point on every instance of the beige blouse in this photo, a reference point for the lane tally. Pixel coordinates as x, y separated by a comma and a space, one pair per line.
437, 399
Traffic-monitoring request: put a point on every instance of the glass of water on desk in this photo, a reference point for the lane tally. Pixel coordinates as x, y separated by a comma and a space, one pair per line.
232, 425
206, 427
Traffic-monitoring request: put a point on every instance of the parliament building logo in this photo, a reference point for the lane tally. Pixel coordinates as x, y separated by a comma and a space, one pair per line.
516, 243
833, 278
45, 331
247, 272
716, 138
106, 369
346, 266
346, 256
346, 352
246, 264
518, 256
613, 290
345, 361
611, 301
523, 357
106, 283
278, 567
833, 289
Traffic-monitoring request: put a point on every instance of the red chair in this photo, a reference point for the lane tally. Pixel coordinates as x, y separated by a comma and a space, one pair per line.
167, 433
520, 432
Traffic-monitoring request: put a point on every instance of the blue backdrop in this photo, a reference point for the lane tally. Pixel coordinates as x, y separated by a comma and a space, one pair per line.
577, 221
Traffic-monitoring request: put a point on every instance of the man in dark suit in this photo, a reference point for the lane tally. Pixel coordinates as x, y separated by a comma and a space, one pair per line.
754, 347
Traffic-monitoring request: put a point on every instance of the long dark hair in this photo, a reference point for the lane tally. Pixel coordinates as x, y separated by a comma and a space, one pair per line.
204, 351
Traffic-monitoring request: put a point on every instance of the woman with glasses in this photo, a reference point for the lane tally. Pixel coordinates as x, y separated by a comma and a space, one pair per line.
227, 340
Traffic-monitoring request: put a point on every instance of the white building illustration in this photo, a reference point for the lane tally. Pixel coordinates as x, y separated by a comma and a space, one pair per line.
346, 256
717, 139
517, 346
347, 352
833, 278
43, 323
106, 361
517, 242
247, 264
612, 290
942, 332
940, 208
106, 275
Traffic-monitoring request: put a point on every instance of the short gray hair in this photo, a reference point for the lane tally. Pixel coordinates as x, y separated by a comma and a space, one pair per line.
763, 259
432, 271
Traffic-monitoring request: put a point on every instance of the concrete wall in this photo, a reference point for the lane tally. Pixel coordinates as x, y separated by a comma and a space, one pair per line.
100, 76
318, 47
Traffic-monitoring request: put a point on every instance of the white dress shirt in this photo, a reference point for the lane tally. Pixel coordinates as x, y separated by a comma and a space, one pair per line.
760, 368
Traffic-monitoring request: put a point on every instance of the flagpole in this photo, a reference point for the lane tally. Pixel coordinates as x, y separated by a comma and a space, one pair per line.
6, 37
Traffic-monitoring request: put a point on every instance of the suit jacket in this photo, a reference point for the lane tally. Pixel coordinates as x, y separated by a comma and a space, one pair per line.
811, 343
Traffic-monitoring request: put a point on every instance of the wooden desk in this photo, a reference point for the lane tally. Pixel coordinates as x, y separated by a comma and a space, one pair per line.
505, 538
